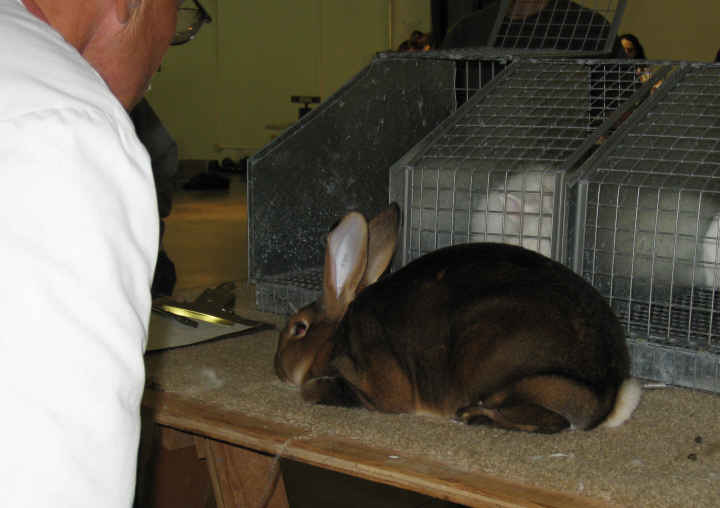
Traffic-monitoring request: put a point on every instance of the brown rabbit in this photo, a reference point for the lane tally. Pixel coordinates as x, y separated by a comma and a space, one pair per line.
487, 333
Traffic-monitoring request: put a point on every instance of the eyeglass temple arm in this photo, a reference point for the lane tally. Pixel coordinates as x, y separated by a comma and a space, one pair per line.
205, 15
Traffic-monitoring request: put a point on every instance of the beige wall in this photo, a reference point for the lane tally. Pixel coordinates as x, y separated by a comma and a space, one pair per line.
225, 93
406, 16
184, 91
675, 30
221, 94
672, 29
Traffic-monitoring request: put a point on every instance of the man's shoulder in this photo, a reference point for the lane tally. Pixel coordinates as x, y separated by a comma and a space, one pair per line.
42, 71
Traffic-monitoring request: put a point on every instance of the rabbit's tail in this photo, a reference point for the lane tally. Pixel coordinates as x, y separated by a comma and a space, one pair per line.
628, 398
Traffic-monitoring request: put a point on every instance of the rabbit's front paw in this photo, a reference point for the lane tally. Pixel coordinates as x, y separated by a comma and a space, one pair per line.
331, 391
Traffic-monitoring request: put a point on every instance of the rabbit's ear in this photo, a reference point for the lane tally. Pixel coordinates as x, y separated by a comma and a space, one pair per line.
382, 242
345, 262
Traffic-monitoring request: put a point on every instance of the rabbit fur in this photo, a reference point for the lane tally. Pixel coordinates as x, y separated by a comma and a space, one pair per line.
678, 244
485, 333
517, 207
657, 233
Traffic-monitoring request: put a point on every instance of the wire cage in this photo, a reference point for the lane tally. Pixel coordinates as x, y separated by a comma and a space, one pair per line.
553, 28
330, 161
648, 230
497, 169
336, 159
562, 25
473, 73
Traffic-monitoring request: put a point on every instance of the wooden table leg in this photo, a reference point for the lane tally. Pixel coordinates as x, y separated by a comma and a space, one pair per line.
242, 478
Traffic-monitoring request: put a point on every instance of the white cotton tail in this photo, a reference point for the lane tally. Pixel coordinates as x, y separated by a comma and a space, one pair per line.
627, 400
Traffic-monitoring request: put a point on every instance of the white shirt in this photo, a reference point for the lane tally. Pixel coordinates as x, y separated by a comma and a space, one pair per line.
78, 243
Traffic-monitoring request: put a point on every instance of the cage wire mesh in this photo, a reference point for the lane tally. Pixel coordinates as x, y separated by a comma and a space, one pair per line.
495, 171
651, 231
471, 74
562, 26
284, 293
561, 29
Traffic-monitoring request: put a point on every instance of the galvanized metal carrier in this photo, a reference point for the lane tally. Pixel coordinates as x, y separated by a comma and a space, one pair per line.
499, 169
333, 160
336, 159
648, 228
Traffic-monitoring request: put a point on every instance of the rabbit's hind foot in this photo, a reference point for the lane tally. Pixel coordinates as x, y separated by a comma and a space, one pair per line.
540, 403
523, 417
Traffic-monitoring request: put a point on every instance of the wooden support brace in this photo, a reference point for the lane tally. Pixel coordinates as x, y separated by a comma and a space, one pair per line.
243, 478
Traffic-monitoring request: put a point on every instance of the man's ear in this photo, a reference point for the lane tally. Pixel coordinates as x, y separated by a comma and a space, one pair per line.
124, 8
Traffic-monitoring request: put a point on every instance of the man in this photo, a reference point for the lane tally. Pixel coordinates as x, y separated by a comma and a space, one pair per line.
78, 218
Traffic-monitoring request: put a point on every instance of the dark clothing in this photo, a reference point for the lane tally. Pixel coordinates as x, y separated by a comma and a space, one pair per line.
473, 30
163, 152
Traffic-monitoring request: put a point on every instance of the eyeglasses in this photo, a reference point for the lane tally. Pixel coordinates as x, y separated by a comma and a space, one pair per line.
189, 21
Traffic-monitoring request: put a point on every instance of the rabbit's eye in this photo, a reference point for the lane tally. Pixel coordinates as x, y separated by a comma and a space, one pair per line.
299, 329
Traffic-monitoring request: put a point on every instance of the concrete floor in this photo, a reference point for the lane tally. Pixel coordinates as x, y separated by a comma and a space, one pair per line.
206, 238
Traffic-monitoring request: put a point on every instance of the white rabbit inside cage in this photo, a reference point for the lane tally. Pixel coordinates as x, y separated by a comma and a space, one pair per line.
486, 203
655, 237
517, 208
